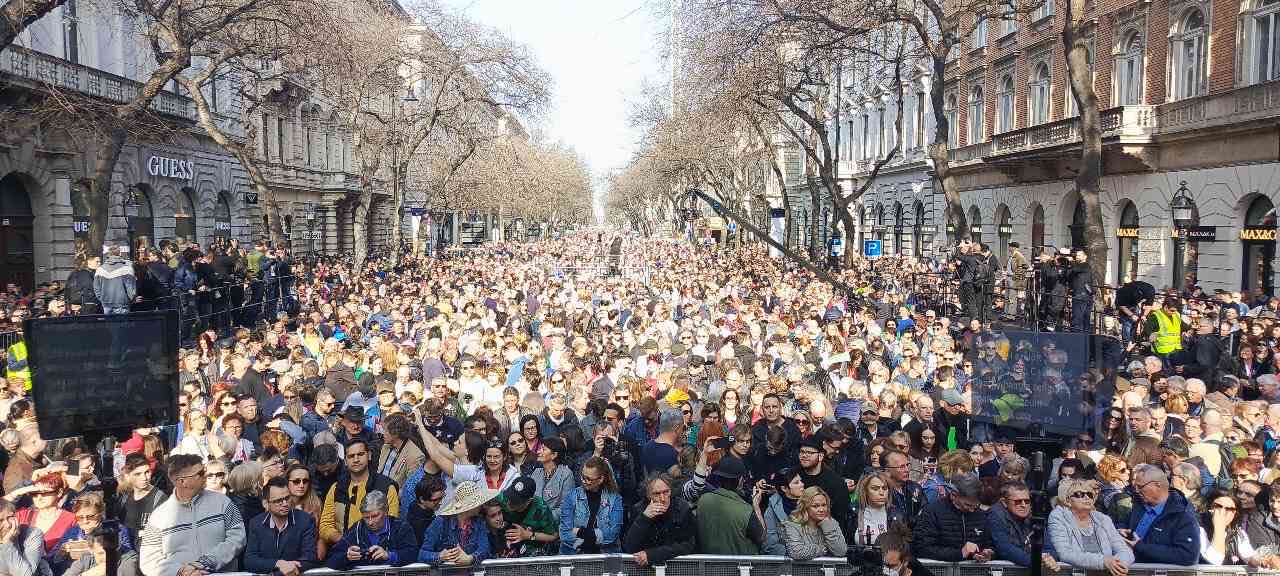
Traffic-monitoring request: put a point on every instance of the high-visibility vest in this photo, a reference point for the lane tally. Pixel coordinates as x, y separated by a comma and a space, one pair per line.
17, 365
1169, 336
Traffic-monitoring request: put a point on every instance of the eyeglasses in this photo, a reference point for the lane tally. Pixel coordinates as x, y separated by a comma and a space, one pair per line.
299, 481
216, 475
288, 397
1019, 501
228, 402
809, 452
87, 517
1083, 494
278, 501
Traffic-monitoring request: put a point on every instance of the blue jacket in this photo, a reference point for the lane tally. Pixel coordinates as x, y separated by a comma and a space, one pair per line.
396, 537
264, 545
635, 430
1012, 538
445, 533
574, 513
1174, 537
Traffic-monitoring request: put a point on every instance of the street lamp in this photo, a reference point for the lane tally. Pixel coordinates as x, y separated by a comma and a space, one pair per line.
1183, 211
309, 212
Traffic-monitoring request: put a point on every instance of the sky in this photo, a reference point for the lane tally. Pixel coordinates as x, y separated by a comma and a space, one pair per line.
598, 51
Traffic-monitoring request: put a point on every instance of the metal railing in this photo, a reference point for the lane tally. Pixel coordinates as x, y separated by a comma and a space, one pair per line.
708, 565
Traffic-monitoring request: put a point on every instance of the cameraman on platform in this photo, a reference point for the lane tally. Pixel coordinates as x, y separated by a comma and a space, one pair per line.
1080, 278
1053, 287
967, 270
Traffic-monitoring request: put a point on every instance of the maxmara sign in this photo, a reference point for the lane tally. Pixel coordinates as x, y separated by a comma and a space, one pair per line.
171, 168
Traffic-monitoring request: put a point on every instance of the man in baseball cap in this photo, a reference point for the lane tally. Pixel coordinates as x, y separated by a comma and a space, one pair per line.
532, 528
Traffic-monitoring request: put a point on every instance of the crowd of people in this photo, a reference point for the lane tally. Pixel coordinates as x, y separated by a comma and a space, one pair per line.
509, 402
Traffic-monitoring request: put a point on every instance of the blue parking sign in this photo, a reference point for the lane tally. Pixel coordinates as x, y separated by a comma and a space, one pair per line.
872, 248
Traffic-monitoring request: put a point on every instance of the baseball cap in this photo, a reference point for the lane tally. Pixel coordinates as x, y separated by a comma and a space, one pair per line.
520, 491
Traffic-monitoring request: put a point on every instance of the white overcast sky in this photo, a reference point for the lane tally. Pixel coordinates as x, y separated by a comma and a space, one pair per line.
598, 51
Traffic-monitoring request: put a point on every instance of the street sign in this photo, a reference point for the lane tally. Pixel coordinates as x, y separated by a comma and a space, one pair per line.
733, 226
837, 246
872, 248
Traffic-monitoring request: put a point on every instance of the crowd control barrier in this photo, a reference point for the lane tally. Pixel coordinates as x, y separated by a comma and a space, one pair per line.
708, 565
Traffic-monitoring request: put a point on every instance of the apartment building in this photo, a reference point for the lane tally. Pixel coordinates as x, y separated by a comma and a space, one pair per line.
1189, 95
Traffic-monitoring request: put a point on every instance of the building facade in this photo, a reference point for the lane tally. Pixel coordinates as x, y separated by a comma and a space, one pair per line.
1189, 94
181, 186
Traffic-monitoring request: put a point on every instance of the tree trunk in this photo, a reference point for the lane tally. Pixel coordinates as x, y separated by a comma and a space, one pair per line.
397, 211
17, 15
1089, 179
108, 153
815, 220
275, 228
360, 227
940, 152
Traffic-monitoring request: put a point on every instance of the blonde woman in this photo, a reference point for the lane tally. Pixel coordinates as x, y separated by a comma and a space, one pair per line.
811, 532
873, 515
1084, 537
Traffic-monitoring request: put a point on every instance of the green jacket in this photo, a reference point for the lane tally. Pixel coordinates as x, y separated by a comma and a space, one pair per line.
727, 526
537, 517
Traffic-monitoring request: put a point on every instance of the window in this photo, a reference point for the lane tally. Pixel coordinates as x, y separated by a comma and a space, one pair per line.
920, 96
1038, 96
280, 145
266, 137
882, 134
1129, 72
1188, 57
979, 37
1004, 105
953, 135
1044, 10
71, 32
1266, 45
866, 137
1009, 21
976, 105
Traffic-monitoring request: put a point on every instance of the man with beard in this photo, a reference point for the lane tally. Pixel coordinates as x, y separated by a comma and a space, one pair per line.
814, 472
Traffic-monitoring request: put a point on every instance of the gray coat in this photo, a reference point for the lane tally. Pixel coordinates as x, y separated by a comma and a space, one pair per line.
1068, 541
24, 554
114, 284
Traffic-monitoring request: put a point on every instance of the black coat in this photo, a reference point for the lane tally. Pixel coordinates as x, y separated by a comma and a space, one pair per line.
941, 531
79, 288
665, 537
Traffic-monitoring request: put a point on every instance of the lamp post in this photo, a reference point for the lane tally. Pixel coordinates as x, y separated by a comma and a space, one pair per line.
130, 204
1183, 211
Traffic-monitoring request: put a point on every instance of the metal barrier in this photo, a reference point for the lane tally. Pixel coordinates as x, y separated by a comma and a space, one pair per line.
709, 565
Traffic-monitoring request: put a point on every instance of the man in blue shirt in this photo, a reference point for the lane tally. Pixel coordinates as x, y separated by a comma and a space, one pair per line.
379, 539
1162, 527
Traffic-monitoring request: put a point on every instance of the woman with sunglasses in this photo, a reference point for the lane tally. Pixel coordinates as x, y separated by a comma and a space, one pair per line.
90, 515
46, 511
1115, 498
521, 457
215, 476
1082, 536
1222, 541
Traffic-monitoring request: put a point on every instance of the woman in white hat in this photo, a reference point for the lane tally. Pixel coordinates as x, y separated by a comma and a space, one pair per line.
458, 535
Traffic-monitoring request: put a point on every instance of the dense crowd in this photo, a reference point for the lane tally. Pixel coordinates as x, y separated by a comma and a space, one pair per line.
512, 402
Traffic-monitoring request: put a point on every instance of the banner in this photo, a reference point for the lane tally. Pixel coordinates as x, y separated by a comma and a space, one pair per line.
777, 230
1022, 379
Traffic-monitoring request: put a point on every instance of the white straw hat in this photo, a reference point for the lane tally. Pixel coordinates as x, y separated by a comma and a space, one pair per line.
467, 496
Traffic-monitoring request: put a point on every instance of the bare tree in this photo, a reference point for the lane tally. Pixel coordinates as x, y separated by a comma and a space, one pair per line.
1075, 27
17, 15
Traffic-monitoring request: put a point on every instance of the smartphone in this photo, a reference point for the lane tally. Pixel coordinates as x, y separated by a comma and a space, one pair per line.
723, 442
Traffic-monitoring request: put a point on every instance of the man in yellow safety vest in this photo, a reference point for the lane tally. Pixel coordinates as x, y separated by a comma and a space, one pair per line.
1164, 327
16, 354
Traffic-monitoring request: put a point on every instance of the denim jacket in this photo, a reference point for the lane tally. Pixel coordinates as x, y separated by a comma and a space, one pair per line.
574, 513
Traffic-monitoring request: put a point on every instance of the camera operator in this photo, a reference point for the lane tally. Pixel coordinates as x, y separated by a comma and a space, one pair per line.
968, 264
1016, 270
1053, 289
1080, 278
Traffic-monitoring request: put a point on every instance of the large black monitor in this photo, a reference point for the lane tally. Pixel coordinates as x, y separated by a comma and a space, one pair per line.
1025, 380
97, 374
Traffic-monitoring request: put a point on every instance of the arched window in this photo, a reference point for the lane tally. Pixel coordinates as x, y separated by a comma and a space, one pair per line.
1004, 105
1079, 217
184, 219
1038, 95
975, 224
140, 220
1127, 268
953, 134
1128, 83
222, 215
1259, 252
1189, 56
976, 106
1265, 46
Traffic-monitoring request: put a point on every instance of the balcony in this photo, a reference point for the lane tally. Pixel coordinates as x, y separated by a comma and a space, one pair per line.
1238, 106
1122, 124
52, 72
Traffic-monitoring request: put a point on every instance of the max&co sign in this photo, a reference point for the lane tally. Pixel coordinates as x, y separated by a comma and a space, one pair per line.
1258, 234
171, 168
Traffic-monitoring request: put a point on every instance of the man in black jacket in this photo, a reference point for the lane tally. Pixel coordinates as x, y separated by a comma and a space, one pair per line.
663, 529
1200, 358
814, 473
954, 528
1081, 279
